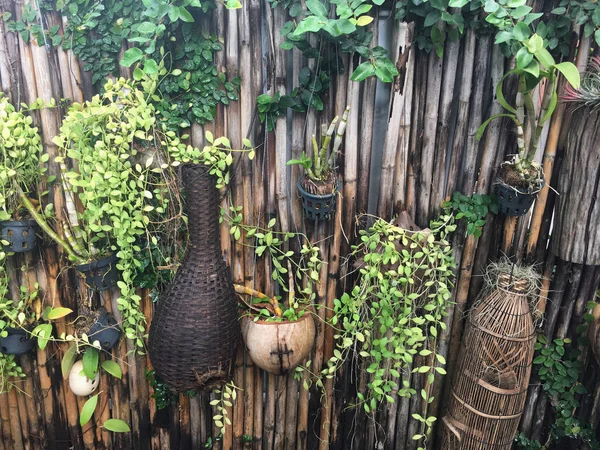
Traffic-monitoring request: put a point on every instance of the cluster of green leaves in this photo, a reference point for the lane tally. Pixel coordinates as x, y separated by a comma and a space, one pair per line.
226, 395
393, 315
473, 210
21, 158
91, 366
97, 30
162, 394
559, 367
9, 369
586, 13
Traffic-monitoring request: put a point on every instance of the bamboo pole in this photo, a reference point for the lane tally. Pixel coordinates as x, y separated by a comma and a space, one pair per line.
11, 52
434, 81
394, 146
366, 132
462, 115
15, 423
447, 96
5, 418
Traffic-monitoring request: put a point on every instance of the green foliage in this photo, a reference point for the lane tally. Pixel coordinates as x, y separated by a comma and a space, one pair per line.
163, 395
559, 367
226, 395
21, 157
394, 314
9, 369
473, 209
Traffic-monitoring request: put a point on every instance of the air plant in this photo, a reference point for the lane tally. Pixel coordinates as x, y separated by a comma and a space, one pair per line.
320, 167
588, 94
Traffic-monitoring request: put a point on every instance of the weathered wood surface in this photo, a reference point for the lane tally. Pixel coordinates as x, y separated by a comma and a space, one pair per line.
577, 216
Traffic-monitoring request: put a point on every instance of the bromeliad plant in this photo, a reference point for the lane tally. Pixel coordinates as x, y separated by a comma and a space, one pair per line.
534, 66
588, 94
393, 316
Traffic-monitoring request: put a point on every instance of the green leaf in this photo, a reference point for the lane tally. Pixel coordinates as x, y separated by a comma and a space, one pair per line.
570, 72
138, 74
432, 18
68, 360
483, 126
363, 71
90, 362
500, 95
523, 58
57, 313
457, 3
310, 24
521, 31
116, 425
88, 410
113, 368
317, 8
185, 15
146, 28
150, 67
131, 56
544, 57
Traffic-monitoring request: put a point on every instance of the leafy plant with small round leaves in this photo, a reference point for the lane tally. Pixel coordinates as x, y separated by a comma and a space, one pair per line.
473, 210
394, 313
226, 395
9, 369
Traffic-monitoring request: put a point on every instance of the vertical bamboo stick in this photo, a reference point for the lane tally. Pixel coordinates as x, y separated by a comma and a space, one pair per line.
366, 132
5, 418
443, 133
393, 145
434, 81
15, 423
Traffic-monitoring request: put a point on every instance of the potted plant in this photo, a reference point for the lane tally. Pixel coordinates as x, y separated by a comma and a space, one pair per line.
320, 185
279, 331
520, 178
21, 159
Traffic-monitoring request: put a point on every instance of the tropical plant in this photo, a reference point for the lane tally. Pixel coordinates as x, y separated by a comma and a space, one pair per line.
534, 65
588, 94
473, 210
319, 168
394, 314
21, 158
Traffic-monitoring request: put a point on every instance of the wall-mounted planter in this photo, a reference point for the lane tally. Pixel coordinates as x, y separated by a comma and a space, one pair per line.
80, 384
318, 207
100, 275
18, 342
20, 234
512, 201
279, 347
105, 330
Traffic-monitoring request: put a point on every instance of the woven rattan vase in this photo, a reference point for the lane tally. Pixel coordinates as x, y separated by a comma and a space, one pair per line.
195, 330
492, 373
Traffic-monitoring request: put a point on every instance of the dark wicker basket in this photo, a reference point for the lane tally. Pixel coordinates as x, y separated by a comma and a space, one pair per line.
195, 330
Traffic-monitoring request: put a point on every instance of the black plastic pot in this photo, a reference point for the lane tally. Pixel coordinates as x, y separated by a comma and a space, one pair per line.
18, 342
105, 330
20, 235
318, 207
513, 202
101, 274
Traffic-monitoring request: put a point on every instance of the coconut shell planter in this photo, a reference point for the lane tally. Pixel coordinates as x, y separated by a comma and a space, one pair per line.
279, 347
318, 198
18, 342
101, 274
20, 235
514, 196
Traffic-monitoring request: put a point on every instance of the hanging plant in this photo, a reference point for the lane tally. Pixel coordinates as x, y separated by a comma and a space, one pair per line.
320, 185
393, 315
520, 178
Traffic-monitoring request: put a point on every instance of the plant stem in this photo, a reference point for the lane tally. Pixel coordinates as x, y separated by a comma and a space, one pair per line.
317, 161
47, 228
529, 116
326, 142
338, 137
548, 94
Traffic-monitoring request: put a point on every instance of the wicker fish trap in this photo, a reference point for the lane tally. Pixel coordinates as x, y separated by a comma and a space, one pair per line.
195, 330
492, 374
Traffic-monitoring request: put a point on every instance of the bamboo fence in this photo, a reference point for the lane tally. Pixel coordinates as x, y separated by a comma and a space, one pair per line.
430, 150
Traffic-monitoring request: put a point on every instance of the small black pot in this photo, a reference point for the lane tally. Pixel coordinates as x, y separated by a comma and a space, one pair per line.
18, 342
318, 207
102, 274
513, 202
20, 235
105, 330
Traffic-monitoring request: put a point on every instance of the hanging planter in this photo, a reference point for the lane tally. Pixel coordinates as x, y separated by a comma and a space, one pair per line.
80, 384
318, 206
279, 347
101, 274
320, 186
195, 330
18, 342
514, 195
100, 326
20, 235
